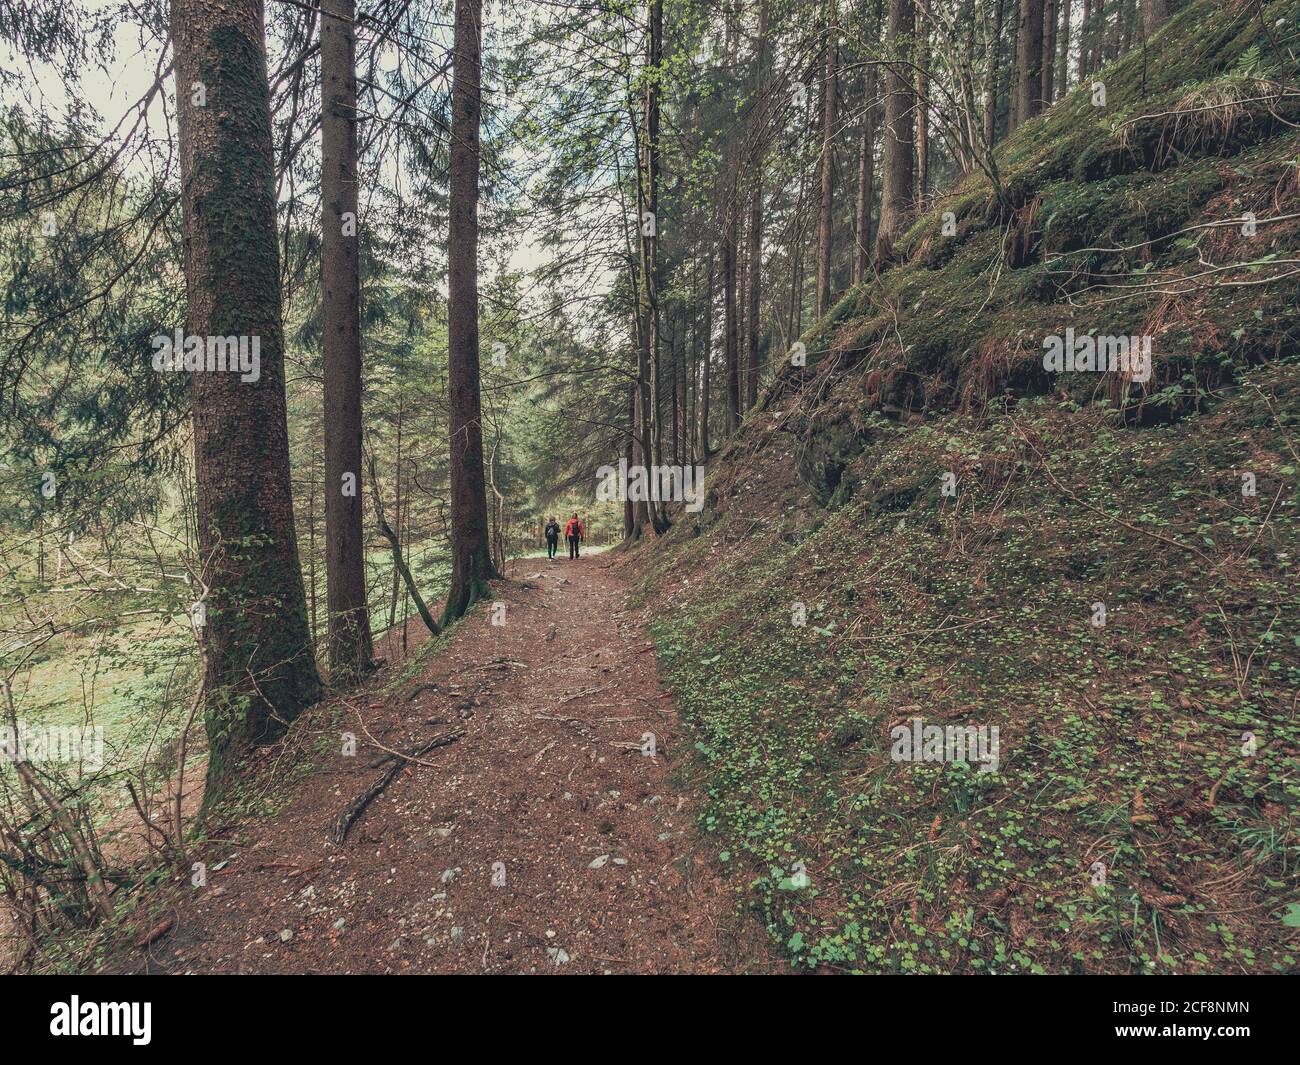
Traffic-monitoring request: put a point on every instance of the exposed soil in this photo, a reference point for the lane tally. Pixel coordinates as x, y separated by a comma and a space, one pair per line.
603, 869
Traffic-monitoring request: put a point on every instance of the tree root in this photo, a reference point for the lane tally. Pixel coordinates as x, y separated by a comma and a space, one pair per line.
344, 821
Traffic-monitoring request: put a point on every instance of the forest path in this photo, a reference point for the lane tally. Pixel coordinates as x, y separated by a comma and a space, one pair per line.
603, 869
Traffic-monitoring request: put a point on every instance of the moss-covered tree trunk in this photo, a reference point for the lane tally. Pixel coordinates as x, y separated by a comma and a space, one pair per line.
471, 555
350, 646
258, 663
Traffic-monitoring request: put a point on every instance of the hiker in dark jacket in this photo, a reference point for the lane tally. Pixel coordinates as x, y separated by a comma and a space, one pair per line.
573, 532
552, 537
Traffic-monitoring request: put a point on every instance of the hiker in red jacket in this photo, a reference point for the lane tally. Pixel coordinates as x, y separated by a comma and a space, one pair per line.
573, 532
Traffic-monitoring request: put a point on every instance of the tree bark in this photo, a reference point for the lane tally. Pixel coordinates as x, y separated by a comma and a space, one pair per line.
1029, 62
471, 557
707, 360
350, 646
900, 128
629, 455
1063, 40
257, 650
825, 219
922, 118
991, 74
730, 314
649, 191
755, 273
1049, 52
1154, 13
866, 174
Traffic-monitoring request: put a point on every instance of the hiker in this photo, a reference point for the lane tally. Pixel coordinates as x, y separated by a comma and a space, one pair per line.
573, 532
552, 536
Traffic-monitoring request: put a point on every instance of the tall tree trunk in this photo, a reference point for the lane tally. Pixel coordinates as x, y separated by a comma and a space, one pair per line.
1085, 41
992, 71
640, 437
1049, 51
866, 172
755, 273
730, 314
629, 455
742, 294
648, 187
753, 281
691, 386
900, 127
1063, 50
471, 555
397, 507
825, 219
259, 670
1154, 13
705, 446
672, 378
350, 647
1029, 61
311, 546
922, 117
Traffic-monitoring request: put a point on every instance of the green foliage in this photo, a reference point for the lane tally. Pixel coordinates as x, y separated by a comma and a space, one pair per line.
1120, 744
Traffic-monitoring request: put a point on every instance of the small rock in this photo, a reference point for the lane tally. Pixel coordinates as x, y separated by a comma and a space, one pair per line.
558, 955
286, 934
598, 862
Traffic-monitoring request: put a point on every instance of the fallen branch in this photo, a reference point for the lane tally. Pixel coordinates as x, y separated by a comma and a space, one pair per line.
155, 933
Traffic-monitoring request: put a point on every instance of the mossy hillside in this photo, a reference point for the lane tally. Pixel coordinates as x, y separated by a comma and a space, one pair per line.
1194, 131
1120, 744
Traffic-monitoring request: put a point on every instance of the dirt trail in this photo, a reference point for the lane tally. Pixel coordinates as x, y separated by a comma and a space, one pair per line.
603, 870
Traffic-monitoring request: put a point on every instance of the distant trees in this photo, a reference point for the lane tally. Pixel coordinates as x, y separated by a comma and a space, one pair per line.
259, 667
